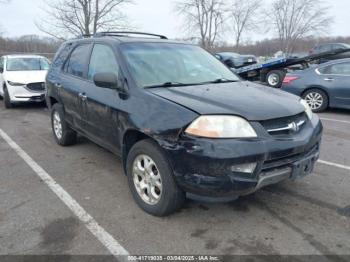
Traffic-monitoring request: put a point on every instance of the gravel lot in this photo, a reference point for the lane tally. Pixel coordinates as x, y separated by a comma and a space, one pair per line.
309, 216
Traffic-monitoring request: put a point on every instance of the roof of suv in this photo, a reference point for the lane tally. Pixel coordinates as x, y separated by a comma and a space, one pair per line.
126, 38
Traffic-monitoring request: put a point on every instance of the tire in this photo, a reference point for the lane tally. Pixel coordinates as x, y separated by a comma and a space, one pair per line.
275, 78
317, 99
64, 135
170, 197
7, 99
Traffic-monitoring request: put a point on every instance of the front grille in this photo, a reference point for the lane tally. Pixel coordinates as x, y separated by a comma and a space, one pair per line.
286, 125
286, 161
36, 86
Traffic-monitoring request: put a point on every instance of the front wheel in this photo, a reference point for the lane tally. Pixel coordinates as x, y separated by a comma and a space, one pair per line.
151, 180
7, 99
316, 99
63, 134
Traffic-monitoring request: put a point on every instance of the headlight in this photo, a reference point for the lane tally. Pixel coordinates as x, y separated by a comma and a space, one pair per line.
221, 127
308, 110
15, 84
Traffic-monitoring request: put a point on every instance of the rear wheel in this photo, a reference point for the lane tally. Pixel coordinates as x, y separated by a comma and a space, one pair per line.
7, 99
151, 180
316, 99
275, 78
64, 135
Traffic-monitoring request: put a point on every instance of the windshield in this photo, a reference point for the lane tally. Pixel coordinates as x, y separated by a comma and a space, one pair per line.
156, 64
27, 64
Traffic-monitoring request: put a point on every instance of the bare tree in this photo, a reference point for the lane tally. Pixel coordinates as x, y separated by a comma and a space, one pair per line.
243, 16
67, 18
295, 19
203, 19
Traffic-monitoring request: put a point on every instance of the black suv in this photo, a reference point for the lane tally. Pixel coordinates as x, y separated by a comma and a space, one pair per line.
182, 122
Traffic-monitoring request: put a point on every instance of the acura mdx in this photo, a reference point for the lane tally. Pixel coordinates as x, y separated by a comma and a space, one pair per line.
182, 122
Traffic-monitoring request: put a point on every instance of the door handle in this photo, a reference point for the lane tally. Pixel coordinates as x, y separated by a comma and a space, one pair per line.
82, 96
329, 79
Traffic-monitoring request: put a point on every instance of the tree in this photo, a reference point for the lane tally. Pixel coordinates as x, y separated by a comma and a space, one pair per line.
243, 16
67, 18
296, 19
203, 18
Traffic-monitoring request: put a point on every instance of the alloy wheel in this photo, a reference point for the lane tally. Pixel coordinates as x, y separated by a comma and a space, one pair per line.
315, 100
57, 125
147, 179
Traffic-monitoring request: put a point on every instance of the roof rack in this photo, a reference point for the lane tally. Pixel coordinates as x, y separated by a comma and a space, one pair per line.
126, 33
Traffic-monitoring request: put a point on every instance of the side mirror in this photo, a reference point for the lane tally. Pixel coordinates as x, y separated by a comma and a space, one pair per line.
106, 80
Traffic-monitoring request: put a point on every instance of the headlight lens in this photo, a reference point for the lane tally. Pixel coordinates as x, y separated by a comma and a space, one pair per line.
308, 110
15, 84
221, 127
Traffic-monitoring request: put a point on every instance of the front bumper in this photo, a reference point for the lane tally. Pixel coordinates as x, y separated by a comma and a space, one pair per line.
203, 167
20, 94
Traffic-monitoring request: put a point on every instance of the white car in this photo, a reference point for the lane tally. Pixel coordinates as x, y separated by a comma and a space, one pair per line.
22, 78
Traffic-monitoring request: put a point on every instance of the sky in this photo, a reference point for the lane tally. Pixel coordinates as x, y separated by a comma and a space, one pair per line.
156, 16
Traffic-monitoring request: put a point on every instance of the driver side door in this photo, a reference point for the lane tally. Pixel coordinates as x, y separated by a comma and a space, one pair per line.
102, 104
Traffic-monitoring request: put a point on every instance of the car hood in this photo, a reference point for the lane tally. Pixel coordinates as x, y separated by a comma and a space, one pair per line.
249, 100
26, 77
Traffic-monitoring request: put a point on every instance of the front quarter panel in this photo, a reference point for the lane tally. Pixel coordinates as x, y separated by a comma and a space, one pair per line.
154, 116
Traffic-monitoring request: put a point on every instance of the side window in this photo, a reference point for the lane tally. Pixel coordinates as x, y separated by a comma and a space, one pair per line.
102, 61
61, 55
337, 46
77, 62
340, 69
325, 48
325, 70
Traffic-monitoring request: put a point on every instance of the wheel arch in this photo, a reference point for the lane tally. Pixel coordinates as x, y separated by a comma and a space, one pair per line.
130, 138
51, 100
317, 87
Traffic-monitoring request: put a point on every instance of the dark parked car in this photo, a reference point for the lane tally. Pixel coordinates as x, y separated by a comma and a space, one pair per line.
234, 60
323, 48
327, 85
181, 121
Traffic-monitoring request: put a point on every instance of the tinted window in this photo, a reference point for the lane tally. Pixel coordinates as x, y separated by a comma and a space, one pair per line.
102, 61
61, 55
77, 61
340, 69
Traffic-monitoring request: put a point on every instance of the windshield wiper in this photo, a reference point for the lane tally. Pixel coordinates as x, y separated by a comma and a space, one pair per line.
167, 84
222, 80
